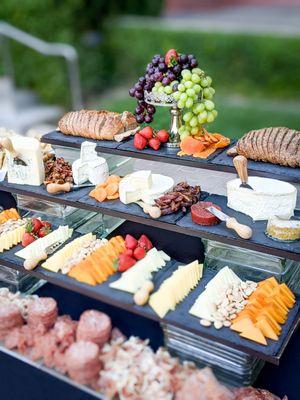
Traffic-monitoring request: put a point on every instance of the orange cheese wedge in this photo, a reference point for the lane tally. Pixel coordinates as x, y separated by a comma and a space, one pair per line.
254, 334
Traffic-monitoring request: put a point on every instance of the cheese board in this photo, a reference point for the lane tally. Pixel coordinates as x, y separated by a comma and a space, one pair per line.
219, 161
180, 317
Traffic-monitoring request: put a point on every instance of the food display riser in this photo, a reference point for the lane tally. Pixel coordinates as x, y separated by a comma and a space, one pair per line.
184, 249
219, 161
174, 222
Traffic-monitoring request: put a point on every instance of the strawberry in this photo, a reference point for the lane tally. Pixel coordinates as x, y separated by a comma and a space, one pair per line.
125, 262
44, 231
139, 141
171, 57
36, 225
128, 252
47, 224
147, 132
139, 253
154, 143
145, 243
27, 239
162, 136
130, 242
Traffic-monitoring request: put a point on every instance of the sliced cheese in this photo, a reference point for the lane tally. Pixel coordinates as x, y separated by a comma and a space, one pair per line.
174, 289
254, 334
57, 260
11, 238
61, 234
134, 278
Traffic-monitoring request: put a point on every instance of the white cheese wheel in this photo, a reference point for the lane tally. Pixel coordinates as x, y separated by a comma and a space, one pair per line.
269, 198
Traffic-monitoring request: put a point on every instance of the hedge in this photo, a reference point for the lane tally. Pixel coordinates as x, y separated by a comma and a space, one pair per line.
247, 64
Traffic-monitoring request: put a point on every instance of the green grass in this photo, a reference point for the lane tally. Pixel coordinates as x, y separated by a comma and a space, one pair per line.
236, 115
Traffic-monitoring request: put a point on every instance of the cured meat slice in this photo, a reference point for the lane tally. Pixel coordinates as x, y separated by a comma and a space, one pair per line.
201, 216
250, 393
10, 317
94, 326
42, 312
82, 362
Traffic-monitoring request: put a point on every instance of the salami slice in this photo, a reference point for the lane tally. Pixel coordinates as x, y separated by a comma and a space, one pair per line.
10, 317
82, 362
94, 326
43, 312
201, 216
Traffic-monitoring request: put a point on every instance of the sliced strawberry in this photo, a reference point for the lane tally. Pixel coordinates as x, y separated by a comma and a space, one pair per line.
130, 242
139, 253
125, 262
145, 243
171, 58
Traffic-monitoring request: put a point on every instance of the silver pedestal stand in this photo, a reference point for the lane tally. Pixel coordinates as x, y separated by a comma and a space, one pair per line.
165, 100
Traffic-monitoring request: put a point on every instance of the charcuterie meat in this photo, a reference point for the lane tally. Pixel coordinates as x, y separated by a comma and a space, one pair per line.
10, 317
201, 216
42, 313
250, 393
82, 362
94, 326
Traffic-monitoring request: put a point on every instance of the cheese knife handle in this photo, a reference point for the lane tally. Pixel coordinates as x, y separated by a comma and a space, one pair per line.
244, 231
31, 263
241, 166
54, 188
7, 144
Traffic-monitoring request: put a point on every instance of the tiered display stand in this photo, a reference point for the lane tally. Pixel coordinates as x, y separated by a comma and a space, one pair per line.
182, 242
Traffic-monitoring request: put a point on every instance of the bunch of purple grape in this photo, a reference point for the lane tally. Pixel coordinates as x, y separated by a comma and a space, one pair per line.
160, 69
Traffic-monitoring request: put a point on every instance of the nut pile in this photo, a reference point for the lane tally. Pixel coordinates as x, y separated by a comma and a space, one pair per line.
83, 252
182, 196
230, 302
57, 170
22, 302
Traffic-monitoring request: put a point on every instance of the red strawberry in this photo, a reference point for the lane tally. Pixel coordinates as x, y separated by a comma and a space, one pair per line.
44, 231
154, 143
139, 253
171, 57
27, 239
146, 132
139, 141
36, 225
145, 243
162, 136
130, 242
125, 262
128, 252
47, 224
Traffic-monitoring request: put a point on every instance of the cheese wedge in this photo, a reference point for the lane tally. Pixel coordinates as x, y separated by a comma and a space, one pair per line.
254, 334
61, 234
174, 289
134, 278
55, 262
11, 238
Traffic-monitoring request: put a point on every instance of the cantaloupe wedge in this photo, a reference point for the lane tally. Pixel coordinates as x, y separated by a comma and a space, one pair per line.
254, 334
266, 329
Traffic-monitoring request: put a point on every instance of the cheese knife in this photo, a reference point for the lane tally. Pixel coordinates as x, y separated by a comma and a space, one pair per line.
241, 166
30, 263
244, 231
54, 188
7, 144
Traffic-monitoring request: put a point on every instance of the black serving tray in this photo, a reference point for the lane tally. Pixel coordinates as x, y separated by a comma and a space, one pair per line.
175, 222
218, 161
180, 317
259, 168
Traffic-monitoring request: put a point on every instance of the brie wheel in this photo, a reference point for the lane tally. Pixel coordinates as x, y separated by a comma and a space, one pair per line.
269, 198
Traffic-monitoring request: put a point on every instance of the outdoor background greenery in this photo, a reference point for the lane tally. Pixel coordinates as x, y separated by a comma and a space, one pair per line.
256, 77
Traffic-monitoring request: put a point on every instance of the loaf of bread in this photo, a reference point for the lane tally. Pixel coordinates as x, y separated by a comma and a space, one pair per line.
277, 145
99, 125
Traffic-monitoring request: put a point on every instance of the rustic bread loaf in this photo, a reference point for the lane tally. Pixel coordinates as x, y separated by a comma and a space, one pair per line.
277, 145
99, 125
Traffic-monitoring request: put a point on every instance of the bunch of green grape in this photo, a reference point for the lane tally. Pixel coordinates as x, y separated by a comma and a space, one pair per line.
194, 93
